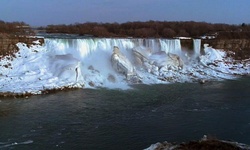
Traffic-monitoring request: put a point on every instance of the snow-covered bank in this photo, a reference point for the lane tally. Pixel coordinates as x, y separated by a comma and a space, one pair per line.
33, 70
86, 63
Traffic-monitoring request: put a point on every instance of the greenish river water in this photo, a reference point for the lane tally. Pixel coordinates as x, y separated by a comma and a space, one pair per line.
127, 119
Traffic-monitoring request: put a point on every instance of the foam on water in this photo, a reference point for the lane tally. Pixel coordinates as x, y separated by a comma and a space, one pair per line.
6, 145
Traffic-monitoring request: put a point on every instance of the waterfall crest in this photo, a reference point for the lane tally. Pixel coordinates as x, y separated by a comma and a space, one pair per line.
81, 48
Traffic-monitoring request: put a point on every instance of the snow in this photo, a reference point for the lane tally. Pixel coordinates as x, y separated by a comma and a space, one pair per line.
184, 38
86, 63
34, 70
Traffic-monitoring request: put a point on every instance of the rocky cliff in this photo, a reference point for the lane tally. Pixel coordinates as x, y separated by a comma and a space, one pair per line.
241, 47
8, 43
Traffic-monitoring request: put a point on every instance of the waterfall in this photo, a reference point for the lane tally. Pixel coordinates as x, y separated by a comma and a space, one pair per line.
197, 46
171, 46
87, 63
94, 55
80, 48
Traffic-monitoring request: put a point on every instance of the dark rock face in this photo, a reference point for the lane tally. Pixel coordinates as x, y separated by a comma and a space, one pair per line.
187, 44
206, 143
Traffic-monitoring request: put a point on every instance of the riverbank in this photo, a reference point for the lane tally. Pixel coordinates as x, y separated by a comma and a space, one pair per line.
8, 43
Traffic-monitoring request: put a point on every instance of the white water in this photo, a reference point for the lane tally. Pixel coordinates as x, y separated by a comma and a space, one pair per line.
83, 47
197, 46
86, 63
171, 46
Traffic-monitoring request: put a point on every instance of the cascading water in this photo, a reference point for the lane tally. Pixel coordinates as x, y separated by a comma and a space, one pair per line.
80, 48
95, 53
197, 46
171, 46
83, 47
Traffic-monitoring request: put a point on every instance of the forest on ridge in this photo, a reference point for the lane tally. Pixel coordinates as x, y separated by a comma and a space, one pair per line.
153, 29
148, 29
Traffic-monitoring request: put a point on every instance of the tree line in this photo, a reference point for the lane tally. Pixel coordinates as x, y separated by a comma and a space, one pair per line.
15, 28
156, 29
148, 29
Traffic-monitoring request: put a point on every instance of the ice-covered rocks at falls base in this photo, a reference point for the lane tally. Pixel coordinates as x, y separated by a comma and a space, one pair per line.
112, 63
122, 65
157, 62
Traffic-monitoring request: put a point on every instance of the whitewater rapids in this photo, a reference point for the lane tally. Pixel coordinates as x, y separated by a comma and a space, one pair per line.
86, 63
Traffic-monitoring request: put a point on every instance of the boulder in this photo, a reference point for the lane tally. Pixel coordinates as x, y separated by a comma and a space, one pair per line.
158, 59
141, 55
163, 59
121, 64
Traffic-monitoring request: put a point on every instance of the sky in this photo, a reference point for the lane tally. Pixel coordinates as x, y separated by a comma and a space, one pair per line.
46, 12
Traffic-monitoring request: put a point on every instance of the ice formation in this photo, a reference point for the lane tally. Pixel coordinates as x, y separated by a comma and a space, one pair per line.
91, 63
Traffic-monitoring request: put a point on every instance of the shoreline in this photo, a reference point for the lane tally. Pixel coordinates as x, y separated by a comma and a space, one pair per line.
41, 92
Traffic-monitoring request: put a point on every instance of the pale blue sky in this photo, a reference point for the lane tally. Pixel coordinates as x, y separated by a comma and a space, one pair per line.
44, 12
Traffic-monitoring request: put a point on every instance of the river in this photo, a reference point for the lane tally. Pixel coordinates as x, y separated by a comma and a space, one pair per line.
104, 118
